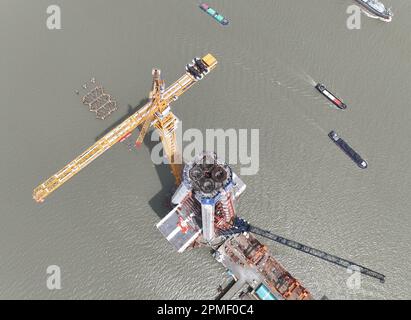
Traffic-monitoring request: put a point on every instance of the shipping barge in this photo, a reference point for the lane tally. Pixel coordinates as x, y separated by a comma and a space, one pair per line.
256, 274
336, 101
348, 150
213, 13
377, 9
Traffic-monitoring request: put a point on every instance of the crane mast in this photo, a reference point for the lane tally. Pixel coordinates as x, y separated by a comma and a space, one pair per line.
154, 111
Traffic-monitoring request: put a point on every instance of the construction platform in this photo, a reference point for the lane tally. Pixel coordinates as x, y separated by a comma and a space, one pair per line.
256, 274
100, 102
205, 202
179, 228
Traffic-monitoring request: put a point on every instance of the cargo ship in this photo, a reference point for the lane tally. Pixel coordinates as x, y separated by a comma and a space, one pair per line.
377, 9
337, 102
348, 150
210, 11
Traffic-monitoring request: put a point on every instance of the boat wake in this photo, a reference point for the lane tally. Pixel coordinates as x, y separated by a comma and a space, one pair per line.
373, 16
275, 71
308, 79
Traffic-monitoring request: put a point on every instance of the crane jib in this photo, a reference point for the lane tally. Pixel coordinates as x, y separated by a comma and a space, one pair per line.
317, 253
170, 94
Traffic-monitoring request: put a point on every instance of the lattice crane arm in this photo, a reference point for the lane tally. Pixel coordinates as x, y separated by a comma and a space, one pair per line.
117, 134
147, 123
240, 225
89, 155
318, 253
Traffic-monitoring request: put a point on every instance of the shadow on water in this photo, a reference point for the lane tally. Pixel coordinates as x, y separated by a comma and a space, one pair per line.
161, 202
130, 111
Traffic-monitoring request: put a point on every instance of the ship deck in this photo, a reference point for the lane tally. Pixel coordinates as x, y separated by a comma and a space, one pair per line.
252, 266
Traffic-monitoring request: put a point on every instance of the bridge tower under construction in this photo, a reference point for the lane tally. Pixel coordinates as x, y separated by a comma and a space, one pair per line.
205, 203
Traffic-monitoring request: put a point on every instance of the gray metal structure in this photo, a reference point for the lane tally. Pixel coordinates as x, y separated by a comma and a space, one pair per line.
243, 226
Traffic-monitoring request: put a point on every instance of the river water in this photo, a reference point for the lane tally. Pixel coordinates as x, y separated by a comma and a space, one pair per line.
100, 227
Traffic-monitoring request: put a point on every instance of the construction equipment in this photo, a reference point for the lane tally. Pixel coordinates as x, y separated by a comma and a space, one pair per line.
240, 225
100, 102
156, 112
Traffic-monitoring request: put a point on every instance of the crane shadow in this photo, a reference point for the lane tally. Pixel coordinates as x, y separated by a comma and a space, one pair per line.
130, 111
161, 202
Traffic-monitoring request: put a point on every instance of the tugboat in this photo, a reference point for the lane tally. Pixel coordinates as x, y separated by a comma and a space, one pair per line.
348, 150
377, 9
337, 102
210, 11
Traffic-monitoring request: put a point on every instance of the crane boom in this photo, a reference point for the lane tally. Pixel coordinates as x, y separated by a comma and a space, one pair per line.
240, 225
170, 94
317, 253
92, 153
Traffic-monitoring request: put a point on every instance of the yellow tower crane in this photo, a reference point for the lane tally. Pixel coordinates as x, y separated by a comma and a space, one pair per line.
156, 112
